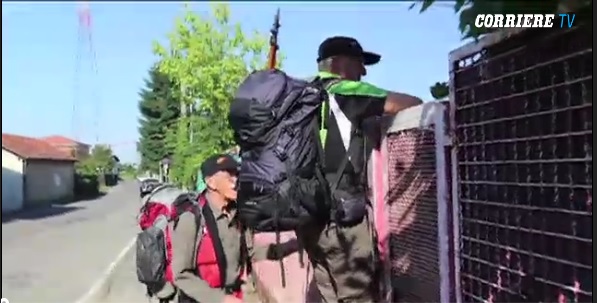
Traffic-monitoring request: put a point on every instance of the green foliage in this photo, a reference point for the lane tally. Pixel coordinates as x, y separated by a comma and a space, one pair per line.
207, 57
104, 157
160, 110
86, 167
90, 170
128, 170
440, 90
100, 160
469, 9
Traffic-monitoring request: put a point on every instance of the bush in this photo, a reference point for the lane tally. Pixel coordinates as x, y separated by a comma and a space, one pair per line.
92, 172
86, 185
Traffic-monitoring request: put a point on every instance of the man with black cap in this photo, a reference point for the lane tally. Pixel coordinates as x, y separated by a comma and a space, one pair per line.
344, 255
220, 173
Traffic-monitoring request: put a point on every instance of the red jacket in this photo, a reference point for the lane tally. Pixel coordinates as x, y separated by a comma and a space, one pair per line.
210, 253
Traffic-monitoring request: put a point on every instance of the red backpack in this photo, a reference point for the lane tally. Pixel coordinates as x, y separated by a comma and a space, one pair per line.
154, 247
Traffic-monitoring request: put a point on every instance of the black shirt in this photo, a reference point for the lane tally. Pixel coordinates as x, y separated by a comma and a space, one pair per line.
359, 104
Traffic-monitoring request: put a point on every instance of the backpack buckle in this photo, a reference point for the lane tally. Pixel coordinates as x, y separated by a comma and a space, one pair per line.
281, 155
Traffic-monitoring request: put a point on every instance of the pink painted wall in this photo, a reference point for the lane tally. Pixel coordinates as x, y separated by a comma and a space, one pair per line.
298, 278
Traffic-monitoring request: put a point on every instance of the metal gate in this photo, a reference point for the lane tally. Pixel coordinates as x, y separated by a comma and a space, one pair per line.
522, 111
418, 210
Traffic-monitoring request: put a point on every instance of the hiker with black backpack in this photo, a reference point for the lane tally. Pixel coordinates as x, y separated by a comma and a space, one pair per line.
304, 148
349, 269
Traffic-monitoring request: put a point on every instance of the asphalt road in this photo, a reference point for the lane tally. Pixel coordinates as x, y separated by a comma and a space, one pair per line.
122, 286
57, 254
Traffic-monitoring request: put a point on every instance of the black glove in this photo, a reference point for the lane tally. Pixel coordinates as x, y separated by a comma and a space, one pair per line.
280, 251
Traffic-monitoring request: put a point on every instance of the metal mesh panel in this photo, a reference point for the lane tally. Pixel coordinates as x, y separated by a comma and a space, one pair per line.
524, 133
413, 215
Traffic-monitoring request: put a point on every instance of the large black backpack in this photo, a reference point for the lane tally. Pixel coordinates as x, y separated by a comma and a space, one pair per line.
275, 119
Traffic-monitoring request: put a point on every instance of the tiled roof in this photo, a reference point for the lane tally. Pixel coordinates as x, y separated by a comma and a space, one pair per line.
31, 148
61, 140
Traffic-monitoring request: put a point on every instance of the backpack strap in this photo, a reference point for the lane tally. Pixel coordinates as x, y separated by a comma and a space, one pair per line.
245, 258
332, 106
212, 229
199, 225
320, 121
340, 172
325, 107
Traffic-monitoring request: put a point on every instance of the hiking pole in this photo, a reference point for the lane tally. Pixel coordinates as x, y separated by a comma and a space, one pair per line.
273, 42
271, 64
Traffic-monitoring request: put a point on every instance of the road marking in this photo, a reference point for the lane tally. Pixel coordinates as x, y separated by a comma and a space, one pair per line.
106, 275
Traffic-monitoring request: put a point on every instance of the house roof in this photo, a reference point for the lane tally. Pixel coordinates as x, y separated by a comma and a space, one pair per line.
61, 140
31, 148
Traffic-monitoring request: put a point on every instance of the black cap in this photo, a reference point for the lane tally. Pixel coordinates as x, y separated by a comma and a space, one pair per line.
345, 46
218, 163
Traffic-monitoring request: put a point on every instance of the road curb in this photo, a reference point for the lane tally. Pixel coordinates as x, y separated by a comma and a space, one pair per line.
101, 287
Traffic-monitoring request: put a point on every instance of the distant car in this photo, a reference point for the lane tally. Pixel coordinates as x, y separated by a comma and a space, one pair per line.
147, 185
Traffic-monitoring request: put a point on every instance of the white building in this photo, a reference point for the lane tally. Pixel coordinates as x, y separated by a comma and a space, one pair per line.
34, 173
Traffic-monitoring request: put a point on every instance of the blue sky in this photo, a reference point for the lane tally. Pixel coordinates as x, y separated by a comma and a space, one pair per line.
40, 81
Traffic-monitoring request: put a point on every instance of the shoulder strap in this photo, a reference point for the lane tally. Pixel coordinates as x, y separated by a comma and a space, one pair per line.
329, 82
320, 126
339, 115
245, 259
340, 172
325, 106
199, 225
345, 126
212, 229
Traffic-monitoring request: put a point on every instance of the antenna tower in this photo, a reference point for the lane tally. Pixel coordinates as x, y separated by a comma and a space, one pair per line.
86, 103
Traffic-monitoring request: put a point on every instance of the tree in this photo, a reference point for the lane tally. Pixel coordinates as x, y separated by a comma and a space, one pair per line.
103, 157
159, 111
439, 90
96, 169
100, 160
207, 57
469, 9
